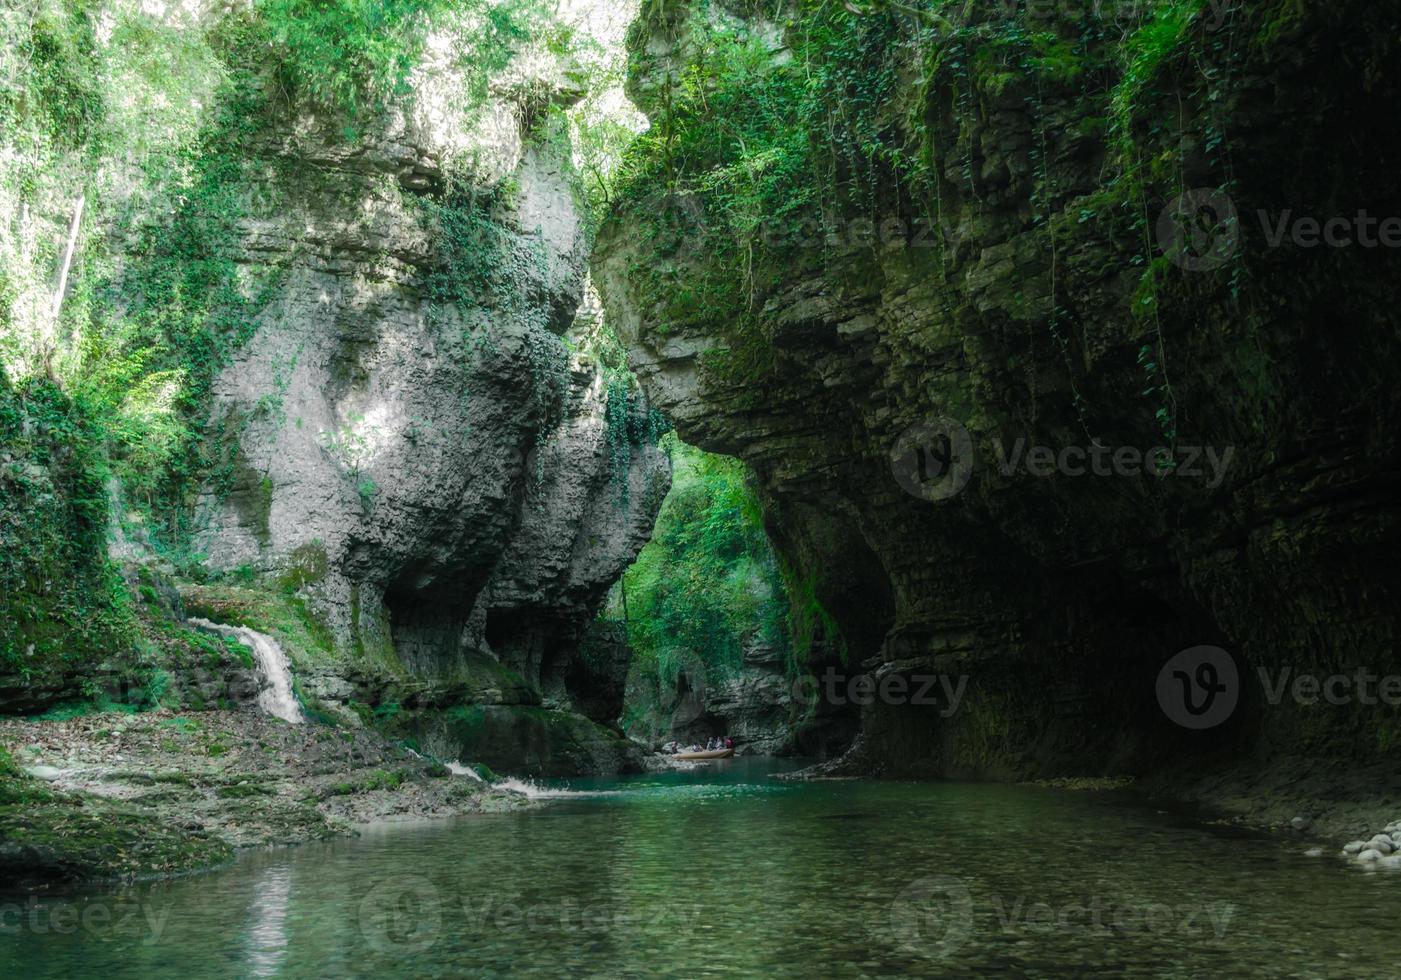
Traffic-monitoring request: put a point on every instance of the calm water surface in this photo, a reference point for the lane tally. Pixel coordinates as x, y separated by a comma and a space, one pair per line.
725, 871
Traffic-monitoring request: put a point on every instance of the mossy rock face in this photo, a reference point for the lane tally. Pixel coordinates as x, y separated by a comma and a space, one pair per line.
49, 837
519, 740
62, 606
353, 484
1048, 306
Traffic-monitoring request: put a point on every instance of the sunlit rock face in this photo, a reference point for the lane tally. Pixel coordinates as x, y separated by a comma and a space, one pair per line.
406, 438
1011, 300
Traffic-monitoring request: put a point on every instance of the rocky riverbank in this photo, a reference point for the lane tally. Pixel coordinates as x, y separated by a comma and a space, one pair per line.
1305, 801
128, 796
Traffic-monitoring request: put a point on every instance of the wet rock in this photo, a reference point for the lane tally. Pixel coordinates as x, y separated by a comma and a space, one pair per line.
319, 783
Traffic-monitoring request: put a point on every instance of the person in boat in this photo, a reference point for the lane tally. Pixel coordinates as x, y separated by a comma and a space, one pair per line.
729, 742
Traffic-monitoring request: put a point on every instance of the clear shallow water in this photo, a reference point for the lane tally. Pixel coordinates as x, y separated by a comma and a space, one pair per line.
725, 872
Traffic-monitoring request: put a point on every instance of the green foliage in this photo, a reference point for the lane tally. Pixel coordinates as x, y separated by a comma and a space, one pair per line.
284, 617
188, 306
472, 248
352, 56
383, 779
707, 583
630, 424
367, 489
61, 600
308, 565
59, 99
1144, 51
759, 152
142, 337
346, 53
755, 151
809, 620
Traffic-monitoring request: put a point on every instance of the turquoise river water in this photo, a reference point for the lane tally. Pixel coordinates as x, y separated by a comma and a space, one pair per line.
725, 871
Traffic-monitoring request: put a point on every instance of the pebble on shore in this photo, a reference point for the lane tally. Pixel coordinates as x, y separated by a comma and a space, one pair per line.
1382, 850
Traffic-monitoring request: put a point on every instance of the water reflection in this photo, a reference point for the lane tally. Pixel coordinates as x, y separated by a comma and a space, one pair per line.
266, 941
727, 872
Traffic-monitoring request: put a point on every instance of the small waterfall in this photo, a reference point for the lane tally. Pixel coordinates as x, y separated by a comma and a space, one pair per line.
277, 698
458, 769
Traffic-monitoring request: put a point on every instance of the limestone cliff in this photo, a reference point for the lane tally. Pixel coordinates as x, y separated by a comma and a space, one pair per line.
759, 703
433, 471
350, 321
1011, 281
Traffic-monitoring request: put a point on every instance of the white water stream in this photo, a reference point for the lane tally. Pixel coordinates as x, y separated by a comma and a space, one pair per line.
276, 698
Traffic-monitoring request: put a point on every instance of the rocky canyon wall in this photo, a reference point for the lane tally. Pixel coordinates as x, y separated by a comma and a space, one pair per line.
1013, 282
433, 465
400, 451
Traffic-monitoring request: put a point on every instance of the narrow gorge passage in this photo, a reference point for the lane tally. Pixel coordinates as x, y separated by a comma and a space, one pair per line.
699, 487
